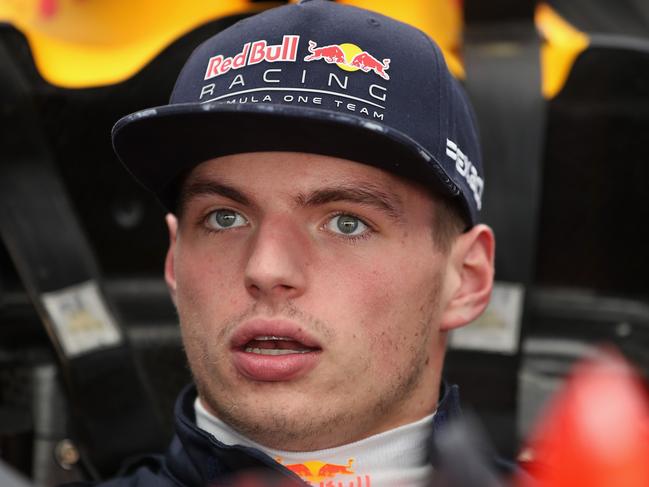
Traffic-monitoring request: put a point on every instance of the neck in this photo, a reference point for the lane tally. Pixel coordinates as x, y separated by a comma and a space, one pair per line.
394, 457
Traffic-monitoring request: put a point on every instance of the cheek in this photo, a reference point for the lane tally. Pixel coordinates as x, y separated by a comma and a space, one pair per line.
205, 302
374, 291
389, 301
206, 279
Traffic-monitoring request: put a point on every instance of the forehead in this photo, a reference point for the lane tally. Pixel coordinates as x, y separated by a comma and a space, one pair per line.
296, 171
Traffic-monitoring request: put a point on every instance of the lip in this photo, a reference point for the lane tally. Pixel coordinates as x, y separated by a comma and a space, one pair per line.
273, 368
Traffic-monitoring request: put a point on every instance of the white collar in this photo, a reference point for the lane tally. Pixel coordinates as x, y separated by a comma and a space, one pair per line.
397, 457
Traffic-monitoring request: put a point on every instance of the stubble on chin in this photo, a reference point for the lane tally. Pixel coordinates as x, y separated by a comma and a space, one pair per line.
302, 421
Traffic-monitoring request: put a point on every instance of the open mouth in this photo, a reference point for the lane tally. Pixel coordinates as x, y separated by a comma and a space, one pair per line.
274, 350
276, 345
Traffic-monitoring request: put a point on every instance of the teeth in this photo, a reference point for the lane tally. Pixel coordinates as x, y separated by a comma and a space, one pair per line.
273, 351
266, 338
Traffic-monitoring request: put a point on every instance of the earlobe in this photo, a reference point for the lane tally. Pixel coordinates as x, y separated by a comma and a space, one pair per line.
472, 266
170, 272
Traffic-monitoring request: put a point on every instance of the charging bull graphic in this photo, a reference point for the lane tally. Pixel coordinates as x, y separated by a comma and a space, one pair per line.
348, 57
332, 54
366, 62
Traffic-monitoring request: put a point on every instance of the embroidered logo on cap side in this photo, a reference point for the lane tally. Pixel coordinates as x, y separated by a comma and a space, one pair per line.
467, 170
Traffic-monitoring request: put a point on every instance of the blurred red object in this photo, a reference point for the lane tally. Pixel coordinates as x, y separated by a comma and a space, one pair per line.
595, 433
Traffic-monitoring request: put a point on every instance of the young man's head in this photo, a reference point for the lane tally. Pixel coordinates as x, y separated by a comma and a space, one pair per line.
323, 173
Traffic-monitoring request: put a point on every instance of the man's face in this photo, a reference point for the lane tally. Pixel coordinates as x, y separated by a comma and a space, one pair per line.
309, 291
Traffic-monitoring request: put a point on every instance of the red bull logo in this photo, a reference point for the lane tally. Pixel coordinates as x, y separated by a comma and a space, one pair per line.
254, 53
349, 57
323, 474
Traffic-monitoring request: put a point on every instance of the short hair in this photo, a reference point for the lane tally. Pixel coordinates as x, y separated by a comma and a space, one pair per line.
449, 221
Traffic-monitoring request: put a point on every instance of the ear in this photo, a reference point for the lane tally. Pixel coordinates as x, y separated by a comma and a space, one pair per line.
471, 274
170, 271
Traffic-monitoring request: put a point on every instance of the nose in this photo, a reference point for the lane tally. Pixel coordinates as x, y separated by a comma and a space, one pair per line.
276, 267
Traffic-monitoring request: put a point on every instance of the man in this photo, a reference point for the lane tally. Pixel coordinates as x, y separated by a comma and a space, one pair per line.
322, 172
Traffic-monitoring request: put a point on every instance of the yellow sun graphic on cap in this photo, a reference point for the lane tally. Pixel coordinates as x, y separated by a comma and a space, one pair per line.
350, 51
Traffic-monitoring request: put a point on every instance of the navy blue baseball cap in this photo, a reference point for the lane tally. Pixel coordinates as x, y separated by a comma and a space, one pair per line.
315, 77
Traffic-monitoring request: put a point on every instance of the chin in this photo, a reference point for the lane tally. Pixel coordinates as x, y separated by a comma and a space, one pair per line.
282, 420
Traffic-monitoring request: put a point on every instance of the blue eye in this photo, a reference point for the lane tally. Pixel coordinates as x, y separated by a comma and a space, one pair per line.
347, 225
224, 219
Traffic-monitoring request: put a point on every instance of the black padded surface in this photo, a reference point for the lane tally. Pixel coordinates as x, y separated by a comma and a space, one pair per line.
504, 85
627, 17
479, 11
593, 226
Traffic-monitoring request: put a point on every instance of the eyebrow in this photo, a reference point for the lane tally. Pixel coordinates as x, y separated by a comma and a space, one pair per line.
363, 193
204, 187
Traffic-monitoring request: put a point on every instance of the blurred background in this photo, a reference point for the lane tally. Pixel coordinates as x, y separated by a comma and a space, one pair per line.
90, 352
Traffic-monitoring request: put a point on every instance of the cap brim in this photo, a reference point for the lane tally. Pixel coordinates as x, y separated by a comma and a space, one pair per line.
160, 144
